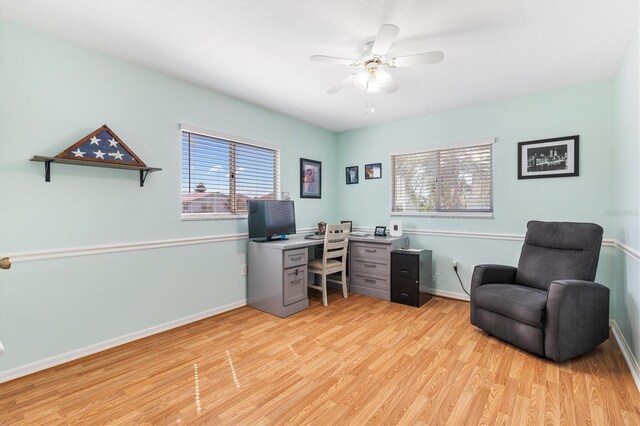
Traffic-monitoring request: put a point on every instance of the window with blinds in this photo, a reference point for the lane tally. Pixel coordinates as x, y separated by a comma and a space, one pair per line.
220, 175
452, 181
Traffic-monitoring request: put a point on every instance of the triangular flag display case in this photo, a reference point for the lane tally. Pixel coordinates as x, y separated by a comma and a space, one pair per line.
100, 148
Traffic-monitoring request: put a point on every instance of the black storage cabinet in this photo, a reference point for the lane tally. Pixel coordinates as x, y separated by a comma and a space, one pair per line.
410, 276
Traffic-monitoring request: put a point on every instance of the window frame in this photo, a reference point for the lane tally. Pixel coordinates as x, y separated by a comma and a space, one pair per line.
459, 214
233, 141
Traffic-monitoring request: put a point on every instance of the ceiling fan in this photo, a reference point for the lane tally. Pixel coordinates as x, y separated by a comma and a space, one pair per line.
372, 64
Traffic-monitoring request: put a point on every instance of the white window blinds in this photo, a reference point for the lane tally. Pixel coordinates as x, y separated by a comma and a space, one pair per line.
449, 181
219, 175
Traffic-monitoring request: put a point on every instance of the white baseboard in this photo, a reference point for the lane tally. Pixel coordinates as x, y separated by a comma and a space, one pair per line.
448, 294
43, 364
632, 362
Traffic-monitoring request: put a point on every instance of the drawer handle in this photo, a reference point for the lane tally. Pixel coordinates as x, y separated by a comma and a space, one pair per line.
368, 265
370, 251
296, 272
296, 281
296, 258
369, 280
404, 294
404, 271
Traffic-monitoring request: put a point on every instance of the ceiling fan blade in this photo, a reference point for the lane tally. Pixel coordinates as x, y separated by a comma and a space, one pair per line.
386, 36
391, 87
419, 59
332, 60
344, 83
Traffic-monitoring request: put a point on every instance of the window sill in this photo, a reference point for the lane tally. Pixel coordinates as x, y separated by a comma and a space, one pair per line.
449, 215
196, 217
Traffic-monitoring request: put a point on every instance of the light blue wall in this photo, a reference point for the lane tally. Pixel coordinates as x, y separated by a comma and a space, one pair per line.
52, 93
626, 209
584, 110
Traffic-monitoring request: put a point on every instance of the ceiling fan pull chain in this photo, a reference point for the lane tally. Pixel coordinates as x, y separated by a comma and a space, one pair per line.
368, 101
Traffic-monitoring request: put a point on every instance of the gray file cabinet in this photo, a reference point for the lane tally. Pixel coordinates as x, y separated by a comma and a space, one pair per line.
370, 264
277, 278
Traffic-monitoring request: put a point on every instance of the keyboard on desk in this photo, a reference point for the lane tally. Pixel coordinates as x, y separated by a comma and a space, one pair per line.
359, 234
314, 237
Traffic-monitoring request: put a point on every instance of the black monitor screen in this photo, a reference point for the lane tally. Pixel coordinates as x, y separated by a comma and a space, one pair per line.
271, 217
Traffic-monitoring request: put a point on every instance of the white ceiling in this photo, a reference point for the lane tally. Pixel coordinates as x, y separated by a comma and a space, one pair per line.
258, 50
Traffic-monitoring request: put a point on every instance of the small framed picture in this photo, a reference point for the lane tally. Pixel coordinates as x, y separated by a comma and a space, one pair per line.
544, 158
373, 171
310, 178
352, 175
349, 222
381, 231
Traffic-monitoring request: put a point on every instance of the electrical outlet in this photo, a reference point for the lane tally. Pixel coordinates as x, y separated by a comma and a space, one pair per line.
243, 269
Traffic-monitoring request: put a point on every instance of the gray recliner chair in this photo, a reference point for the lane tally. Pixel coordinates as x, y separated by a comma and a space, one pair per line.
548, 305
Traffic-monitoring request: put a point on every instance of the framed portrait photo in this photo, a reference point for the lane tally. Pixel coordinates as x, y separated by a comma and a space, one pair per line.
351, 175
381, 231
310, 178
373, 171
544, 158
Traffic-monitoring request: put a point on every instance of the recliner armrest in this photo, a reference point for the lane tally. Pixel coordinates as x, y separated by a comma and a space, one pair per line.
576, 318
492, 274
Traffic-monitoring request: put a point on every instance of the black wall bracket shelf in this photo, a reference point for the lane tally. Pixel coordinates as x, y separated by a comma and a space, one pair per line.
144, 170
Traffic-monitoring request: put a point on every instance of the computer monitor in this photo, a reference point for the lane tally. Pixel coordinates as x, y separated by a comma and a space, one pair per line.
269, 218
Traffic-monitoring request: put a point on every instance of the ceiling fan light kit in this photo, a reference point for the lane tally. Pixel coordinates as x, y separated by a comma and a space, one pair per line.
372, 77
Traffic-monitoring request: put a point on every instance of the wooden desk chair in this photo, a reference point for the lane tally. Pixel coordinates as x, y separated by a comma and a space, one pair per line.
334, 258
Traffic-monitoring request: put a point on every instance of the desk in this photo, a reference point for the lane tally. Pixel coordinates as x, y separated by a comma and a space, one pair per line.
277, 271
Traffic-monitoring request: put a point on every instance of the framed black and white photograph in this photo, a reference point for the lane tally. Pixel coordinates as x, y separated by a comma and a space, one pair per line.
373, 171
556, 157
381, 231
352, 175
310, 178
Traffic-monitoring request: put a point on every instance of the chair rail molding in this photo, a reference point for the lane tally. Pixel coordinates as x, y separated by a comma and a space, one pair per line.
32, 256
607, 242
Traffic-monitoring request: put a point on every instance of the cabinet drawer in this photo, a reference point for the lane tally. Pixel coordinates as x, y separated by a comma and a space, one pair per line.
404, 285
295, 258
406, 298
295, 285
371, 282
405, 265
370, 251
365, 267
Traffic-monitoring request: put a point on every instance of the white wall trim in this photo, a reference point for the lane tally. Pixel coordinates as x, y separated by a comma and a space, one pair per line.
116, 248
628, 250
477, 235
448, 294
43, 364
634, 367
460, 234
32, 256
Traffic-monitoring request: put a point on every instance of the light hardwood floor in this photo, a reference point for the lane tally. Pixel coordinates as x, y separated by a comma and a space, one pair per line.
359, 360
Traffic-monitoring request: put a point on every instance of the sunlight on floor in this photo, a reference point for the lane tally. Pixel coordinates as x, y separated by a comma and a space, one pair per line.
196, 384
233, 370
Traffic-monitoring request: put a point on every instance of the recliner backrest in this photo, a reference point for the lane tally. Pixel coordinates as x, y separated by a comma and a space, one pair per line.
558, 251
